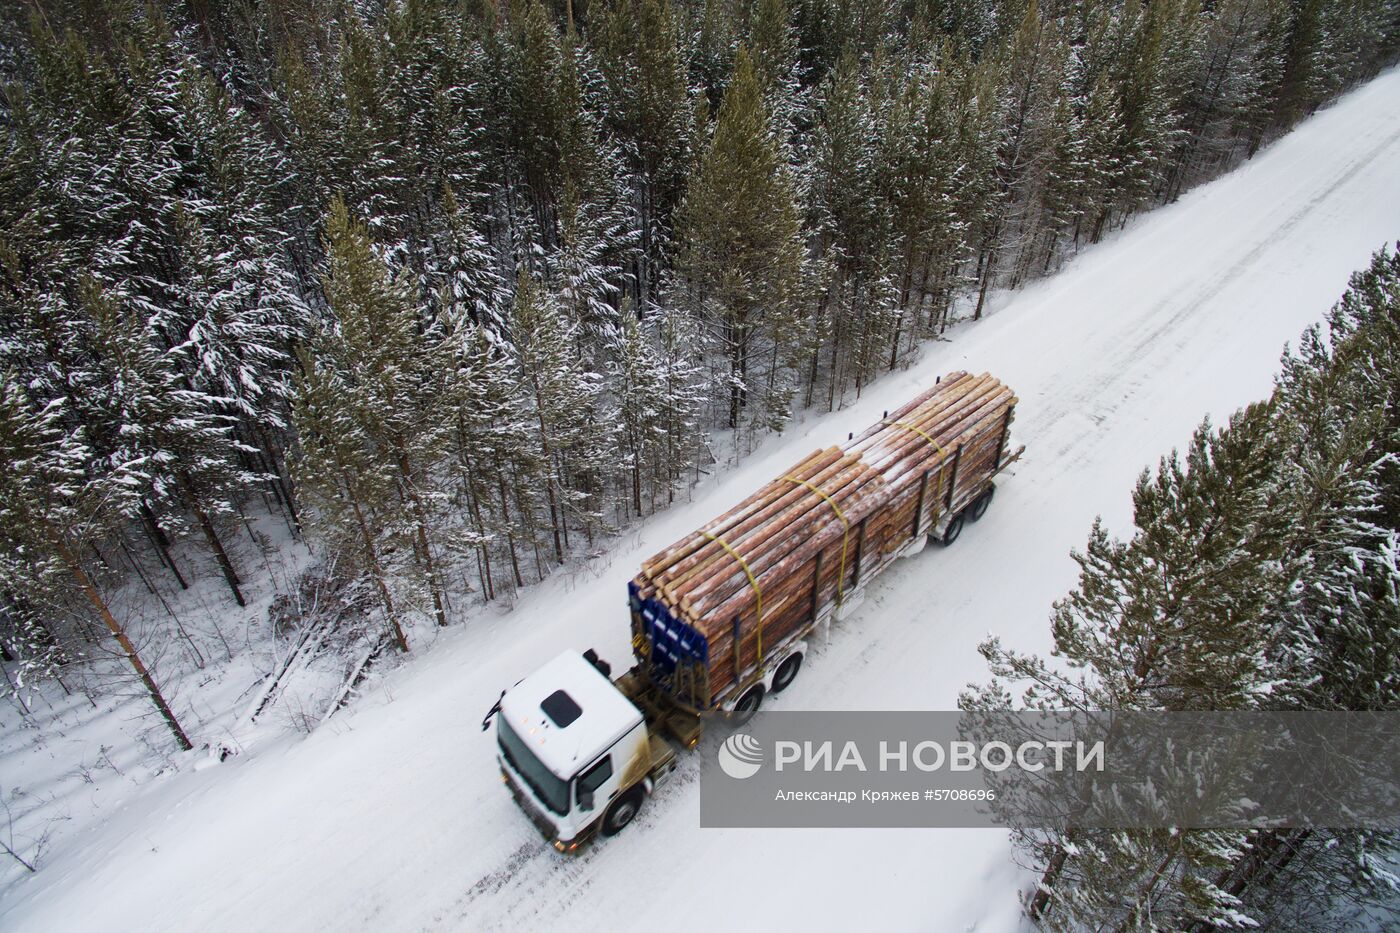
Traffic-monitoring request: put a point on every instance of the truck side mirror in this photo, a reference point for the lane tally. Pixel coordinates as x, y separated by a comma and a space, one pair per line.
496, 708
585, 800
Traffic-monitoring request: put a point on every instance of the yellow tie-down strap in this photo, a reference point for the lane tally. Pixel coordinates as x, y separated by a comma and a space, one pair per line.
909, 427
845, 534
753, 582
943, 455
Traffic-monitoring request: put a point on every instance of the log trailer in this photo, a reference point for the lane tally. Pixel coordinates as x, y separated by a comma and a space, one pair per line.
722, 618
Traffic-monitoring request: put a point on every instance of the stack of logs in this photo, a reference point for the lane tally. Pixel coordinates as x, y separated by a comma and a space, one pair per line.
798, 547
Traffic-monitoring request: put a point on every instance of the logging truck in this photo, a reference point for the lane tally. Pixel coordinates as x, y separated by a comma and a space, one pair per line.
722, 619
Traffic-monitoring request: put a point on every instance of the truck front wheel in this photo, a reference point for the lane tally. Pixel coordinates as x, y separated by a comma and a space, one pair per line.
622, 811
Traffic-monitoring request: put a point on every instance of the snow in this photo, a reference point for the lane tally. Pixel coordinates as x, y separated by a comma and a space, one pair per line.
392, 817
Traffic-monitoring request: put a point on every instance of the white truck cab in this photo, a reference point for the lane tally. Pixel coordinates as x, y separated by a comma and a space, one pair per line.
574, 751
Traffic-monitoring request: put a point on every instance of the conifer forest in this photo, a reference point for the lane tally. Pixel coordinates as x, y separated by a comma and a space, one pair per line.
360, 318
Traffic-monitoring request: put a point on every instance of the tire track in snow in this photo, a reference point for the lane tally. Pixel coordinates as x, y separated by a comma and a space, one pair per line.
535, 866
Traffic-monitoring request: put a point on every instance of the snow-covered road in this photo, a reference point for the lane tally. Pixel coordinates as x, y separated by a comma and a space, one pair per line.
393, 817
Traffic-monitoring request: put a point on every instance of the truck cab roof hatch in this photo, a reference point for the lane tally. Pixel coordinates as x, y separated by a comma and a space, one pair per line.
561, 708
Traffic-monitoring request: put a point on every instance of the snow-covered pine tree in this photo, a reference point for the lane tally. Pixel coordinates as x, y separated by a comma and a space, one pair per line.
1339, 620
853, 226
772, 38
713, 40
397, 382
411, 124
1340, 477
238, 276
639, 389
461, 272
655, 385
376, 412
940, 156
1063, 195
237, 316
679, 349
173, 444
307, 110
742, 253
1102, 127
494, 450
381, 184
597, 233
639, 55
580, 272
844, 204
1177, 618
1263, 574
537, 107
573, 441
1035, 61
346, 492
52, 506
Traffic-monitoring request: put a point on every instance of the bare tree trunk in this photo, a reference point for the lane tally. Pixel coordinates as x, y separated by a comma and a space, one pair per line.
376, 570
134, 565
483, 553
277, 480
898, 328
162, 543
1041, 901
510, 535
420, 519
812, 374
90, 590
212, 537
988, 267
184, 633
555, 517
475, 506
832, 390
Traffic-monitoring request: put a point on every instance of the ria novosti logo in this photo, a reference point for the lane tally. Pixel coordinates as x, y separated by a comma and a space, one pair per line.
741, 756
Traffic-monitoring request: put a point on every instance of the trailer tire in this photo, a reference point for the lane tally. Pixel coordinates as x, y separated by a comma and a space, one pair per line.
622, 811
748, 705
787, 672
979, 508
950, 534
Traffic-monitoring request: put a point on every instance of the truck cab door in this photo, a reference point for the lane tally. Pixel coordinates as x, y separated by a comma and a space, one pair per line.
595, 787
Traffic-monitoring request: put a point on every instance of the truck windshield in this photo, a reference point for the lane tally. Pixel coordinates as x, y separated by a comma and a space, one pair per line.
552, 790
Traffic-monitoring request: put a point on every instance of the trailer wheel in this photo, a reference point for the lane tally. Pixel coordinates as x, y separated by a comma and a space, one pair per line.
787, 672
622, 811
979, 508
950, 534
748, 705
